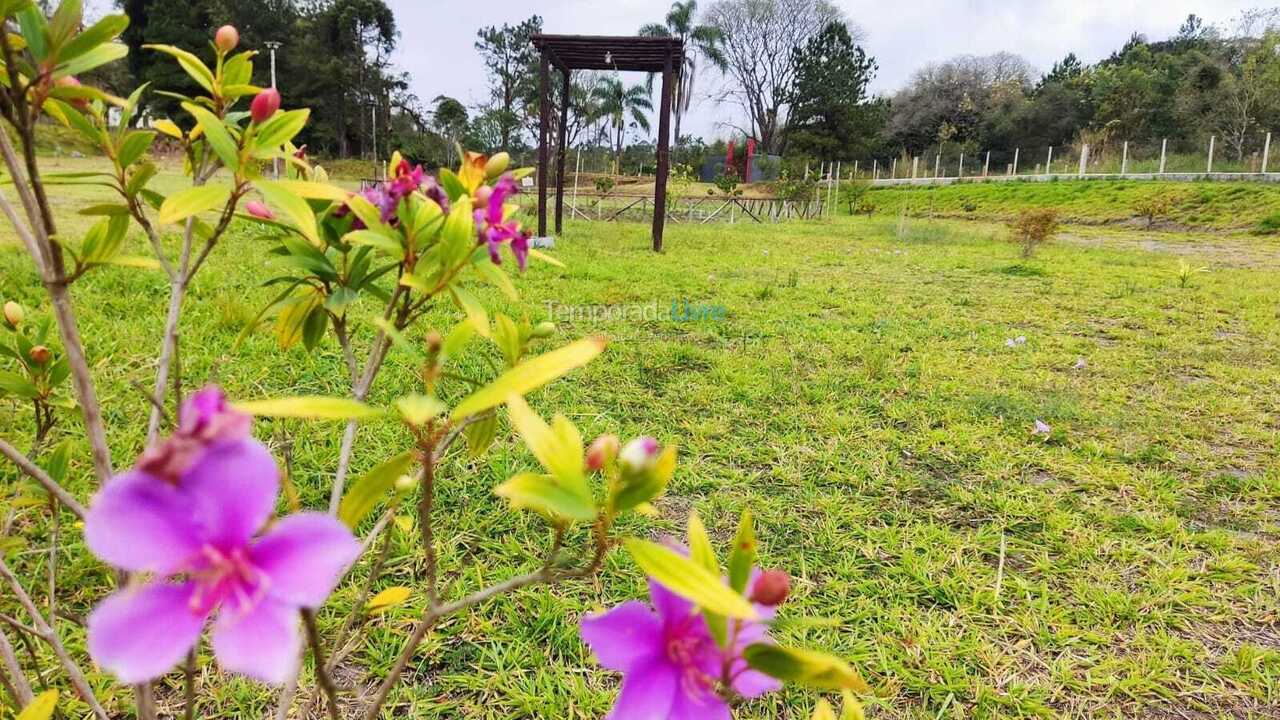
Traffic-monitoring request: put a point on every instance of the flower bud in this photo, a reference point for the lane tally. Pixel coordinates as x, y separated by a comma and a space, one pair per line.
226, 39
434, 342
639, 454
40, 354
483, 193
497, 164
264, 105
13, 314
70, 81
543, 329
405, 483
771, 588
602, 451
259, 210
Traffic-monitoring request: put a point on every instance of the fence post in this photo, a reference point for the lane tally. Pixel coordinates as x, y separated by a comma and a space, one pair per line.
854, 176
1164, 153
915, 166
1015, 161
1084, 159
960, 174
834, 195
986, 165
1266, 153
1124, 158
806, 169
1208, 169
875, 169
577, 168
937, 166
1048, 163
893, 173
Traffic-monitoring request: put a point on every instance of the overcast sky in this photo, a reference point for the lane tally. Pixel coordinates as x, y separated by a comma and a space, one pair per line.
436, 43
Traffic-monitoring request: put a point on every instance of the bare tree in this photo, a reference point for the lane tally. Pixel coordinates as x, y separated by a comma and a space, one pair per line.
760, 35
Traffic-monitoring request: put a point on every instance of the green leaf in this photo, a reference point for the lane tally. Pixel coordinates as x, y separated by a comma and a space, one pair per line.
41, 708
702, 553
95, 58
313, 190
72, 117
546, 496
743, 555
193, 201
418, 409
295, 209
58, 461
470, 304
15, 384
134, 146
365, 493
558, 448
192, 64
140, 177
805, 667
368, 214
66, 20
217, 135
35, 30
507, 337
459, 234
689, 580
389, 245
529, 375
497, 277
91, 38
310, 407
481, 434
238, 69
280, 129
105, 239
640, 488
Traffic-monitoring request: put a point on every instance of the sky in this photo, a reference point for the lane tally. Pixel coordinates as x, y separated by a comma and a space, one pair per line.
436, 44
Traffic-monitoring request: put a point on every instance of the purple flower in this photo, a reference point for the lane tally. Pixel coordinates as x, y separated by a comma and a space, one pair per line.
670, 662
493, 229
188, 514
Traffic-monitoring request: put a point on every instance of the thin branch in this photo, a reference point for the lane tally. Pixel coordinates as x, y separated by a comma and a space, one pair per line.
20, 688
53, 561
47, 633
35, 472
322, 672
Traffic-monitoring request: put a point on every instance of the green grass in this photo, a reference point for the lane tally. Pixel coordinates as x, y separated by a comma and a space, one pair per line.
861, 400
1203, 205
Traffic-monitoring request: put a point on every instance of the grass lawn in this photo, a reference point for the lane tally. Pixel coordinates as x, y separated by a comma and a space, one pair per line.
1202, 205
860, 397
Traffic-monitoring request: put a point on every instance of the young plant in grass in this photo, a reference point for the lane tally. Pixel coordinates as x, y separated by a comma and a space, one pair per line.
190, 526
1034, 227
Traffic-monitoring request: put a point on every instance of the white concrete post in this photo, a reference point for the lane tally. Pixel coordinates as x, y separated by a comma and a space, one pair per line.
960, 174
1015, 161
1048, 164
1084, 159
1164, 153
806, 169
577, 169
915, 166
1124, 158
986, 165
893, 172
875, 169
1266, 153
834, 195
1209, 167
937, 166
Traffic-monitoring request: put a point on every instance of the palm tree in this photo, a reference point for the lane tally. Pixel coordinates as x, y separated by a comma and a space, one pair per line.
616, 101
706, 41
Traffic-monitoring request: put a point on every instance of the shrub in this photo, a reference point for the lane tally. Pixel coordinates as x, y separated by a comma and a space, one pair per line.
853, 194
1269, 225
1153, 207
605, 184
1033, 228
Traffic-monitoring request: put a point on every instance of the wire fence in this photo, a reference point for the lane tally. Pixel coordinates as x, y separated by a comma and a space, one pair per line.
1247, 156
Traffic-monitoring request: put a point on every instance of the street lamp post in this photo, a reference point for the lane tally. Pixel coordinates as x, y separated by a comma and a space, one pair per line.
272, 46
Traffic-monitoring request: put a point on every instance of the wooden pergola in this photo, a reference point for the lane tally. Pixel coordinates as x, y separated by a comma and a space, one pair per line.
602, 52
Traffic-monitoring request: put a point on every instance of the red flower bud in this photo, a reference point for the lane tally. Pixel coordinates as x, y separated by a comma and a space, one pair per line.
483, 193
602, 451
264, 105
226, 39
771, 588
40, 354
70, 81
258, 210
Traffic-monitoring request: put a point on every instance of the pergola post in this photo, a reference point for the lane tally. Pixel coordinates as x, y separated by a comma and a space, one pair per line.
564, 132
544, 111
664, 159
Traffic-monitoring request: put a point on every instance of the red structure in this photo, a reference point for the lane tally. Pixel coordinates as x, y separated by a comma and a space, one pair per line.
751, 153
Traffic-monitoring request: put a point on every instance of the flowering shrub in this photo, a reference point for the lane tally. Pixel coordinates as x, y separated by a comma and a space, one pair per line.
190, 528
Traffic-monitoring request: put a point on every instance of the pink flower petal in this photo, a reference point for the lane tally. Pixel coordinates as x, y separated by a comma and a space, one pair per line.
304, 556
700, 706
139, 634
141, 524
262, 643
233, 490
620, 638
648, 692
671, 607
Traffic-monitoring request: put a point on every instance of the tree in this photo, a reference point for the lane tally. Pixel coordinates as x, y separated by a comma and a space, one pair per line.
512, 63
449, 118
829, 115
616, 102
707, 42
759, 36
